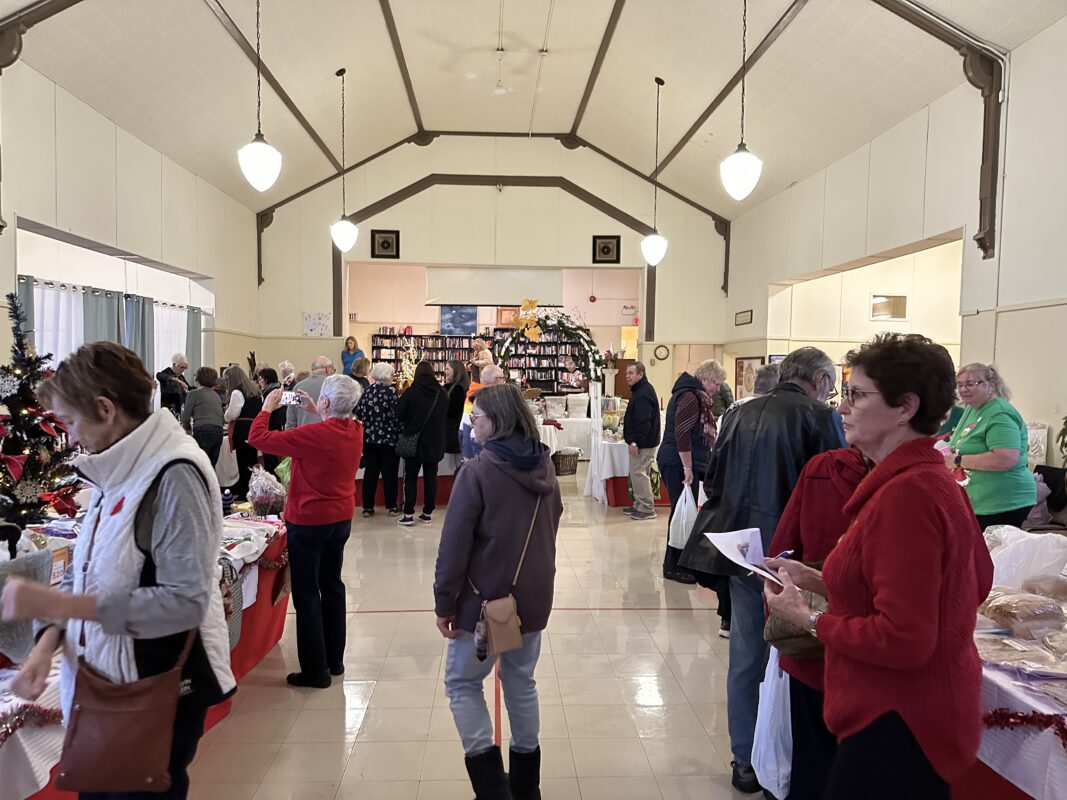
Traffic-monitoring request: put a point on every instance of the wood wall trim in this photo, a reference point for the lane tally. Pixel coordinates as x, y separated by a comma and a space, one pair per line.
598, 63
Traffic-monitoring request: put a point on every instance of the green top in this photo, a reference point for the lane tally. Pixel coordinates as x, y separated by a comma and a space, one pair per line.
994, 426
952, 421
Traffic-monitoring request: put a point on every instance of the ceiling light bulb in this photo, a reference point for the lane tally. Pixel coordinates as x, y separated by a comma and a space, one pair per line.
260, 163
740, 172
500, 90
653, 248
344, 234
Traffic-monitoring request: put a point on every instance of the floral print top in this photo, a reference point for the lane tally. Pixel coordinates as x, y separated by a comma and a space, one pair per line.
376, 409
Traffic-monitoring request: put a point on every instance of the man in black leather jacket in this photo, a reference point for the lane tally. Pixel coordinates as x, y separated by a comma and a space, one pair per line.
641, 427
761, 450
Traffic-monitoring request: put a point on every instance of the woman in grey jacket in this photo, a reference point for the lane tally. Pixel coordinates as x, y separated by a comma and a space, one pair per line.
494, 499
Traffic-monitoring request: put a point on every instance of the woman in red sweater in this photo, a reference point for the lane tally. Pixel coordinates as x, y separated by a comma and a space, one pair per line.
318, 516
903, 586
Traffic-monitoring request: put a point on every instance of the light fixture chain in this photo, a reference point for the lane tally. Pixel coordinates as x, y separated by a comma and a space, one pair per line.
344, 199
655, 188
744, 62
259, 79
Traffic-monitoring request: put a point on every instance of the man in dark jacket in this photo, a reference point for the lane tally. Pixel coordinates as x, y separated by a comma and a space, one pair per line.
172, 384
758, 456
422, 410
640, 426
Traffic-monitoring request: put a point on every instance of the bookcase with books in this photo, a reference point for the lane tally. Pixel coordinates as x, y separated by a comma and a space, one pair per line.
541, 362
434, 348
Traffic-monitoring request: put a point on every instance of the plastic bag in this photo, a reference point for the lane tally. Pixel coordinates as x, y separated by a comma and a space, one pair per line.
266, 493
772, 748
1030, 616
685, 516
284, 471
1018, 555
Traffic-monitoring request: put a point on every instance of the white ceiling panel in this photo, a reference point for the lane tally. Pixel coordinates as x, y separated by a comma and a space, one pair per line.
9, 7
1007, 23
450, 48
840, 75
168, 73
694, 45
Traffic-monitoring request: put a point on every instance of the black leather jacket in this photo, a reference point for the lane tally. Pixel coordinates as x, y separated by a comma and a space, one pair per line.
762, 447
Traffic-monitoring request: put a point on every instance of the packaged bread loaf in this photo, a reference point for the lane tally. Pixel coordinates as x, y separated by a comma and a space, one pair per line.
1029, 616
1057, 643
998, 650
1054, 586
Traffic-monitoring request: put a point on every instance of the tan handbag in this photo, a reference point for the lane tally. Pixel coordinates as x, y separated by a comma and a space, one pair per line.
499, 629
791, 640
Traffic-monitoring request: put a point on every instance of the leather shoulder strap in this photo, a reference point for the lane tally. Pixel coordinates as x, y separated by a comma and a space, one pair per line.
529, 533
142, 521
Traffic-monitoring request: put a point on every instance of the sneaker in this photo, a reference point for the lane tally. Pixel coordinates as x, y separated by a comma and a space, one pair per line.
629, 510
368, 512
425, 518
744, 778
406, 520
724, 629
678, 576
395, 512
643, 515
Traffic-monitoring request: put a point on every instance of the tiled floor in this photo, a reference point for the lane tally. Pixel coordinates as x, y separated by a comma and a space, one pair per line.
631, 682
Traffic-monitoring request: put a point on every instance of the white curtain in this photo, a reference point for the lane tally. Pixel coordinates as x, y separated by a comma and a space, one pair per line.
171, 325
59, 320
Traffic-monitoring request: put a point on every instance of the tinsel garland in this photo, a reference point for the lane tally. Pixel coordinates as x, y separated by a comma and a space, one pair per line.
1006, 718
265, 563
27, 716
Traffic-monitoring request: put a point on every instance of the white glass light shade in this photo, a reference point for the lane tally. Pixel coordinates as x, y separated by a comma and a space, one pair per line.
740, 173
344, 235
260, 162
653, 248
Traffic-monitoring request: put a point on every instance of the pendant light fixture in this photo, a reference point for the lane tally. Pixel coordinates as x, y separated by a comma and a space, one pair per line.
654, 246
343, 232
260, 162
740, 171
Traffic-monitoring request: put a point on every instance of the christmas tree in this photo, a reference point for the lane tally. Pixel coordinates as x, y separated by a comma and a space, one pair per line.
34, 474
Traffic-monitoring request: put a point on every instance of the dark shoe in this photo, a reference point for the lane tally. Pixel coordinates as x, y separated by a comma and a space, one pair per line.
487, 776
678, 576
395, 512
425, 518
406, 520
524, 775
368, 512
724, 628
337, 669
642, 515
744, 778
629, 510
309, 681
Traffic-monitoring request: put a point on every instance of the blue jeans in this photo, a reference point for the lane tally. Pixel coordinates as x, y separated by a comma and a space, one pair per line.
464, 676
748, 660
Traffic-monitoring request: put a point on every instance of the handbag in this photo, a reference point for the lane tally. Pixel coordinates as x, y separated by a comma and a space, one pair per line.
499, 629
791, 640
407, 446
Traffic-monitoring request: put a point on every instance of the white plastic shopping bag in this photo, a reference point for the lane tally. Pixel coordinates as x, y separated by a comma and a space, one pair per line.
772, 749
685, 516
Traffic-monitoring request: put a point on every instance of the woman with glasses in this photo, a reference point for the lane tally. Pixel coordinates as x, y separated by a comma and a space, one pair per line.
991, 444
903, 585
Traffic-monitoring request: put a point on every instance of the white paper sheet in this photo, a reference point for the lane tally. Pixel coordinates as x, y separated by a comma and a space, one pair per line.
744, 548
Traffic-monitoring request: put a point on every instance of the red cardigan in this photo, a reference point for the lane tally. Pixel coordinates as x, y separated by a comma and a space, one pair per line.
904, 584
322, 484
812, 523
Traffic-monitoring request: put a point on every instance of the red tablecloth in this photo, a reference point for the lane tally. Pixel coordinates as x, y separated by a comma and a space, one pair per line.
261, 628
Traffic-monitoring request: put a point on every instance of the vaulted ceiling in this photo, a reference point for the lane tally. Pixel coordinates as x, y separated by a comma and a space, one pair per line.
839, 74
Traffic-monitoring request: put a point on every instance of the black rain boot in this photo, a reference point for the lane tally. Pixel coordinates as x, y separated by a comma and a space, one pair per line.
487, 776
525, 775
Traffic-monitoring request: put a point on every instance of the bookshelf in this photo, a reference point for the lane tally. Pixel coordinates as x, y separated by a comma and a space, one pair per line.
542, 361
434, 348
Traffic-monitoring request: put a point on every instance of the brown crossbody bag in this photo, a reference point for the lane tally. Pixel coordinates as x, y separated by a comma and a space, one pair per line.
499, 629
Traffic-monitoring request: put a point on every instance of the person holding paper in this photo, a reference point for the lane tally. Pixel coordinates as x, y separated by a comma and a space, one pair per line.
761, 449
903, 586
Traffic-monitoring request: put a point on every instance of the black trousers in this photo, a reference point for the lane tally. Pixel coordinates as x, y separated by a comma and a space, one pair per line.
247, 457
380, 460
814, 746
884, 762
316, 554
210, 437
1015, 517
673, 479
411, 485
188, 728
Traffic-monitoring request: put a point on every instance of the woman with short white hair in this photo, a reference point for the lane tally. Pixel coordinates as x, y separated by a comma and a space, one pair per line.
318, 515
381, 429
287, 373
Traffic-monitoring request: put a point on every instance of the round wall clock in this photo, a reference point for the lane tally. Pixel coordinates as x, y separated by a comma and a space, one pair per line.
661, 352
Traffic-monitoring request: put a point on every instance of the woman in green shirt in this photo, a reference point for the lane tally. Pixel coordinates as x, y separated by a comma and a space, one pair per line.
990, 442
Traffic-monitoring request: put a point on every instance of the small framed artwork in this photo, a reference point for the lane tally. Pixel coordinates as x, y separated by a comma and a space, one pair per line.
505, 316
775, 359
745, 376
889, 308
384, 244
743, 318
459, 320
607, 249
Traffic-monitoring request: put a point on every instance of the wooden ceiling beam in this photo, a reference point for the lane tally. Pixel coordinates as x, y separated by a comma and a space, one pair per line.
14, 26
402, 63
598, 63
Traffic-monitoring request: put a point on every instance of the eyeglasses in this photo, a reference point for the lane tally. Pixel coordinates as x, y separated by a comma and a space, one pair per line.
478, 416
968, 384
850, 394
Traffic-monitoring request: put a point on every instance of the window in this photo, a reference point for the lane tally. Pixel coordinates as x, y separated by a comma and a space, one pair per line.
889, 307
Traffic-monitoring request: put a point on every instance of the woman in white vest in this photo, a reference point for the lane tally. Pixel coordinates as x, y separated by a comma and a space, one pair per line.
144, 573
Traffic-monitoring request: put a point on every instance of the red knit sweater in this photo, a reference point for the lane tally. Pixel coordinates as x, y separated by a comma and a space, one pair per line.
904, 585
322, 482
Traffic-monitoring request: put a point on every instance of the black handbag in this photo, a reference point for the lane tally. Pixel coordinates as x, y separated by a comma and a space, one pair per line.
407, 446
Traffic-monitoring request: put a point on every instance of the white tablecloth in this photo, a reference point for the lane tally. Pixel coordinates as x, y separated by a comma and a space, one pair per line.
576, 433
27, 758
1034, 760
608, 460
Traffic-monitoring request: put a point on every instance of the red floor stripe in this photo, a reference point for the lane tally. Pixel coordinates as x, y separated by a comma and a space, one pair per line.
430, 610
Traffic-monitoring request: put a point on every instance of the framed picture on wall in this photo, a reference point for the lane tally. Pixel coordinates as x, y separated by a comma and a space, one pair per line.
505, 316
459, 320
745, 376
775, 359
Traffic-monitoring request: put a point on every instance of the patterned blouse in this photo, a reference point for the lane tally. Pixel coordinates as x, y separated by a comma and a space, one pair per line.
376, 409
